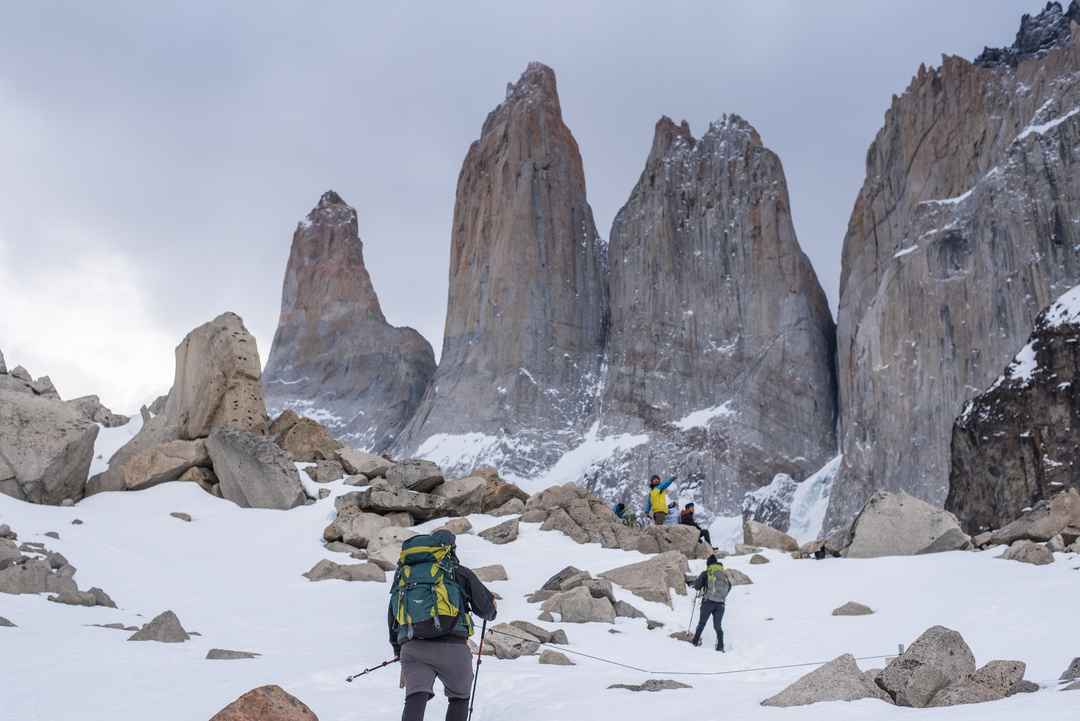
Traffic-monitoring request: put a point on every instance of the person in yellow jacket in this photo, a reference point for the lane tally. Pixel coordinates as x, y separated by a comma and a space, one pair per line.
658, 501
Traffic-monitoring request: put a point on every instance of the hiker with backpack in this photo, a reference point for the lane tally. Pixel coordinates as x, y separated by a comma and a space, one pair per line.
658, 502
432, 598
686, 518
714, 586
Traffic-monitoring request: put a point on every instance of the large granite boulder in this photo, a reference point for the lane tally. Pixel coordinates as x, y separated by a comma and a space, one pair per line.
266, 703
838, 680
357, 527
253, 471
160, 463
1017, 444
952, 250
1036, 554
1047, 519
46, 448
896, 524
578, 605
416, 475
756, 533
654, 578
304, 439
527, 308
334, 353
363, 463
92, 409
36, 575
938, 658
464, 495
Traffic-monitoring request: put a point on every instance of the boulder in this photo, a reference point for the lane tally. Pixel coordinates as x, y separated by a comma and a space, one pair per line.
266, 703
224, 654
404, 519
505, 532
938, 658
952, 540
7, 534
1023, 687
737, 578
625, 610
963, 692
1056, 544
35, 575
1072, 673
163, 628
416, 475
5, 623
45, 449
578, 606
93, 597
742, 549
838, 680
1028, 552
457, 526
326, 570
356, 527
307, 440
1074, 686
463, 495
204, 477
385, 548
325, 471
759, 534
253, 471
555, 583
1045, 520
581, 516
382, 497
757, 560
487, 574
896, 524
165, 462
91, 408
540, 633
684, 539
1001, 676
360, 462
554, 658
652, 685
652, 578
217, 381
500, 494
507, 641
852, 608
513, 507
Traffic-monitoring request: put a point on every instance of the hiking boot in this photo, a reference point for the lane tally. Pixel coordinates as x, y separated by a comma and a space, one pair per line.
696, 642
720, 648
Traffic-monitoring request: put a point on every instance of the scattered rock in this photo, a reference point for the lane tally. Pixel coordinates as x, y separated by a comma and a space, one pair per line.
742, 549
653, 625
4, 623
181, 515
540, 633
164, 628
325, 471
360, 462
457, 526
53, 535
254, 472
464, 495
738, 578
682, 636
326, 570
505, 532
653, 578
224, 654
1028, 552
1045, 520
896, 524
578, 606
554, 658
382, 497
385, 548
266, 703
757, 559
306, 440
36, 575
94, 597
839, 680
652, 685
759, 534
852, 608
513, 507
1072, 673
356, 527
115, 626
625, 610
416, 475
1023, 686
402, 519
509, 642
938, 658
488, 574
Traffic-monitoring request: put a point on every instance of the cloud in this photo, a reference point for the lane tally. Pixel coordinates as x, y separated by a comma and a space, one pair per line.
85, 324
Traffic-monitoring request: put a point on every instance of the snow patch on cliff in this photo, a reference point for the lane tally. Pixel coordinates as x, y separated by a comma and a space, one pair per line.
576, 464
1046, 127
702, 418
1066, 310
810, 502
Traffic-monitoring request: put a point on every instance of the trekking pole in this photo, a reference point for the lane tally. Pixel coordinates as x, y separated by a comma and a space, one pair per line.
384, 664
476, 675
693, 609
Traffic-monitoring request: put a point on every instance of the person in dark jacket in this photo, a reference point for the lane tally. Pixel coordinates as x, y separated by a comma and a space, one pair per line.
714, 585
686, 518
447, 657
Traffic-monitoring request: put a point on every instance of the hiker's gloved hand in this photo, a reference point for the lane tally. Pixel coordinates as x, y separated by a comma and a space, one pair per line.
397, 650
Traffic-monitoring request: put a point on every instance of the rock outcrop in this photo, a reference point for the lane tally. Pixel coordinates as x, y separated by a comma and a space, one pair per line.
896, 524
334, 356
963, 231
527, 307
721, 345
266, 703
253, 471
1019, 442
838, 680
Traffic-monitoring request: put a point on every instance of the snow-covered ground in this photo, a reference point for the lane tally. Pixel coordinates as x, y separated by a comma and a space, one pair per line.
234, 575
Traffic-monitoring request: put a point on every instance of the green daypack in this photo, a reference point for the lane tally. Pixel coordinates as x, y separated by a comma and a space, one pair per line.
717, 583
426, 600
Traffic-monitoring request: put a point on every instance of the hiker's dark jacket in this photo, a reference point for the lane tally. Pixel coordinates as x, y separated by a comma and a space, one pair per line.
479, 601
686, 518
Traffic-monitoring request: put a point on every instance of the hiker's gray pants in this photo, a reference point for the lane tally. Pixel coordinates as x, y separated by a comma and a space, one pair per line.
449, 661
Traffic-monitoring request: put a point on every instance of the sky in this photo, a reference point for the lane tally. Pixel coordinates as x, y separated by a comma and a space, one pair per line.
154, 160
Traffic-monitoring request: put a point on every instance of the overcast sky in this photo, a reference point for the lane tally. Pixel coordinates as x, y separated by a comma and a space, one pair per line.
154, 162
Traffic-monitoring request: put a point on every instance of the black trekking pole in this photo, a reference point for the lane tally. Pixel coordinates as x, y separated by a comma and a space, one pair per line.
693, 609
476, 675
384, 664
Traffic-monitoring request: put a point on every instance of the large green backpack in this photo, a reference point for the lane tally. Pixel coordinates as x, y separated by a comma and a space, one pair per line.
425, 597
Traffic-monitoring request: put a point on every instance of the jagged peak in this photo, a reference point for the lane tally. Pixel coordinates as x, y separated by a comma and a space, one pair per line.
331, 209
1038, 33
330, 197
667, 134
535, 87
733, 124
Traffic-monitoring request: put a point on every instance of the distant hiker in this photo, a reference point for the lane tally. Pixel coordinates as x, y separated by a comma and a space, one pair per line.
715, 586
432, 598
686, 518
658, 502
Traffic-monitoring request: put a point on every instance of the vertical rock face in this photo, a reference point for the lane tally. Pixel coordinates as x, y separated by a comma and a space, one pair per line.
1019, 442
965, 228
334, 356
527, 305
721, 343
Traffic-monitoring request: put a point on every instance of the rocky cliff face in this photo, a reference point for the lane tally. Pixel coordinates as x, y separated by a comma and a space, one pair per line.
1019, 442
527, 307
721, 342
966, 226
334, 357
